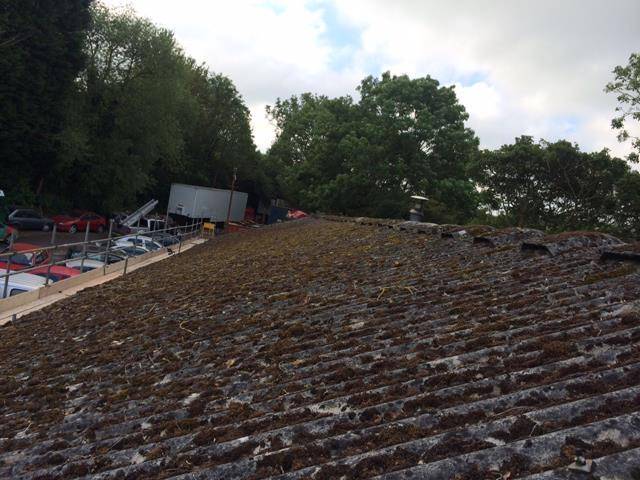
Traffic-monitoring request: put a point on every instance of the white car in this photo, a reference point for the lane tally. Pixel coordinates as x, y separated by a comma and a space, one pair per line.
20, 283
141, 241
85, 266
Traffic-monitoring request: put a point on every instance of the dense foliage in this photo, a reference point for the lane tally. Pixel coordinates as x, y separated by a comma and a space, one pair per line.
404, 137
133, 115
40, 56
145, 115
555, 186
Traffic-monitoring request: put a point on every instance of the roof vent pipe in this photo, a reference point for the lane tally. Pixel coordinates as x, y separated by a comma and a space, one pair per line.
416, 214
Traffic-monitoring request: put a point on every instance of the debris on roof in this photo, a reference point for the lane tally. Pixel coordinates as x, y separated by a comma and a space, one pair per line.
625, 251
336, 349
562, 242
508, 236
456, 231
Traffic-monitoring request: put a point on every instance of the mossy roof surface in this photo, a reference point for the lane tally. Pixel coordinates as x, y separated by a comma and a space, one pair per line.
327, 348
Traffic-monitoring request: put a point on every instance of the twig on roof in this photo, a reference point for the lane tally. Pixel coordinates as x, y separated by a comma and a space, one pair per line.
25, 430
510, 411
412, 291
114, 444
186, 329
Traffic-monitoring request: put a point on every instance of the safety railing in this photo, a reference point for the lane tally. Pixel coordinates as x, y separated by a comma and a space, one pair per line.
116, 247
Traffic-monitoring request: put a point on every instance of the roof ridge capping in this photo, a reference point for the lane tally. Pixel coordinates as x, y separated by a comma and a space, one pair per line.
506, 236
457, 231
418, 227
530, 239
562, 242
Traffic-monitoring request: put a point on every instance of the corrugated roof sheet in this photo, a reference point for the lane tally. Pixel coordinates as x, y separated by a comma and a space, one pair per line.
324, 349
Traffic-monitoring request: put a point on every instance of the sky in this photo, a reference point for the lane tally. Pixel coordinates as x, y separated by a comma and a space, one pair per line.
520, 67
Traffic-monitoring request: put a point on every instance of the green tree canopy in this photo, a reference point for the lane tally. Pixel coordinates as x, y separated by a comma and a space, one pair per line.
145, 115
555, 186
40, 56
125, 115
404, 137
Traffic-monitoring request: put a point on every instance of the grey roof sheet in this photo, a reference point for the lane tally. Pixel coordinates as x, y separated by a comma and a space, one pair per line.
337, 349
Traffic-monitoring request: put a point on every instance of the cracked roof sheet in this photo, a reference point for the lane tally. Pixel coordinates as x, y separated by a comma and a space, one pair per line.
337, 349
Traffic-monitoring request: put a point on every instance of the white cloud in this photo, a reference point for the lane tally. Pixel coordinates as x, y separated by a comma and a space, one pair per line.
520, 67
481, 100
263, 132
542, 65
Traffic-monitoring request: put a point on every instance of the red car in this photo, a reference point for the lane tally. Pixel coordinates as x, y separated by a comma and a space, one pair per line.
296, 214
25, 257
71, 224
6, 232
56, 273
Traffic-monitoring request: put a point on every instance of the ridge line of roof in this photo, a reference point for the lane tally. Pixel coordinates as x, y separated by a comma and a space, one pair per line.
608, 246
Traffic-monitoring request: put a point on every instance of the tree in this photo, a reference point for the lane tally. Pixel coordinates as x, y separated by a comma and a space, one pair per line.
127, 105
627, 212
403, 137
626, 86
218, 135
145, 115
555, 186
40, 56
104, 109
420, 139
309, 149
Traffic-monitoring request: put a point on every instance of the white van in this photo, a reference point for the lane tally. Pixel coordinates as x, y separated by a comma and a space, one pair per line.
20, 283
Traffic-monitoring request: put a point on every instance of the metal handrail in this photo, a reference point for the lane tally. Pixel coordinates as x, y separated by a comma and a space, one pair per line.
180, 232
8, 253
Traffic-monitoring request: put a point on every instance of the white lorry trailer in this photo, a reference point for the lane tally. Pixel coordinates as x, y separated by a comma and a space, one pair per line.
206, 203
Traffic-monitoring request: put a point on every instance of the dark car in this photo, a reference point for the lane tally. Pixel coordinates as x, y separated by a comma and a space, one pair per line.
129, 250
165, 239
28, 219
98, 254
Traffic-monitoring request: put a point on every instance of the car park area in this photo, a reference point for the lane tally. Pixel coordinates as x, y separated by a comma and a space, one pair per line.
42, 258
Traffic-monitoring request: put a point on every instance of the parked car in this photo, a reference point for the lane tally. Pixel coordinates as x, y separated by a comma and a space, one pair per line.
129, 250
6, 232
165, 239
20, 283
98, 255
84, 266
28, 219
73, 224
25, 256
147, 225
55, 272
141, 241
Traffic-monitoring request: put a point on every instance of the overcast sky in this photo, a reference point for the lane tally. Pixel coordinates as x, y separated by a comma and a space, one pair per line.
535, 67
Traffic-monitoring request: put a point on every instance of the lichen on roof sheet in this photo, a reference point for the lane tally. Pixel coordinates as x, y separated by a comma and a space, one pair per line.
330, 348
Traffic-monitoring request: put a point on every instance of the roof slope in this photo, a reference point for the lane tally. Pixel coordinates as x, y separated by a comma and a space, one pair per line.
321, 349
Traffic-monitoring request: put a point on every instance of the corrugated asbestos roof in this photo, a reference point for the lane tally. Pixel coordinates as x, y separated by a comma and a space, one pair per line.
330, 349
